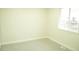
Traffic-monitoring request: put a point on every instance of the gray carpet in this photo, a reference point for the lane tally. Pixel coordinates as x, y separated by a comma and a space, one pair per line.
34, 45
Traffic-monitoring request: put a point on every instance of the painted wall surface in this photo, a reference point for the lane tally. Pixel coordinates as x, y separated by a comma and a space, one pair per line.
0, 29
69, 39
20, 24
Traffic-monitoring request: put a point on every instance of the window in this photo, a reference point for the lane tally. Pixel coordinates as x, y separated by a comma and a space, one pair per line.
69, 19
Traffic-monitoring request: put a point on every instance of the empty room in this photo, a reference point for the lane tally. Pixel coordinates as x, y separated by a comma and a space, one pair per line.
39, 29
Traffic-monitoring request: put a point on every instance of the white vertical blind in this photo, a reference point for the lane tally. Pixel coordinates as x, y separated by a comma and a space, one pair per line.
69, 19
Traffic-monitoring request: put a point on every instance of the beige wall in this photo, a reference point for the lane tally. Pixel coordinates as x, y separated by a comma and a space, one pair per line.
0, 29
69, 39
20, 24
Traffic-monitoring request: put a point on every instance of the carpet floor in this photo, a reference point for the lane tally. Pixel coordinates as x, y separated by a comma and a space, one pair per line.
34, 45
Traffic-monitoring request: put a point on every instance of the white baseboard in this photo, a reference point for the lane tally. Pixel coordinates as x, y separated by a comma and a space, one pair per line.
62, 44
20, 41
36, 38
